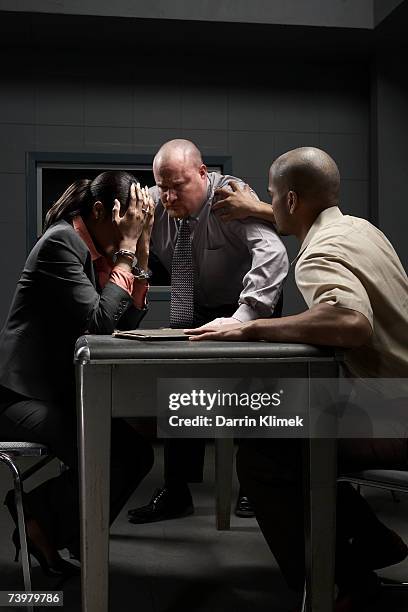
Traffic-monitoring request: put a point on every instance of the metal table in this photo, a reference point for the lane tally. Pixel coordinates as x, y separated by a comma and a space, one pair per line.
118, 378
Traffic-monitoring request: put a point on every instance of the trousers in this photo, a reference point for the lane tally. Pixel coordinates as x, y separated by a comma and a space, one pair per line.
55, 503
184, 459
270, 470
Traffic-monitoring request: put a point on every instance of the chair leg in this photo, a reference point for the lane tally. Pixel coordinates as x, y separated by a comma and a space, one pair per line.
303, 608
18, 493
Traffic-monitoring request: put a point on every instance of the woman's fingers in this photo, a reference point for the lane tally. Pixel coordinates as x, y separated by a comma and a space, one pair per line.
139, 194
132, 198
115, 211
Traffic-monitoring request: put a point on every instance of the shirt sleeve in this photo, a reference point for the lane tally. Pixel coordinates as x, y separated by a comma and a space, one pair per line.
328, 278
139, 294
137, 290
262, 284
122, 278
61, 273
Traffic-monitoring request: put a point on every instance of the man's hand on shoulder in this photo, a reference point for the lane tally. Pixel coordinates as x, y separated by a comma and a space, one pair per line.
237, 201
234, 201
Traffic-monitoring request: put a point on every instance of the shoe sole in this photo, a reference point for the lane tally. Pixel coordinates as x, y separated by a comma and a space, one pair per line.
243, 514
163, 517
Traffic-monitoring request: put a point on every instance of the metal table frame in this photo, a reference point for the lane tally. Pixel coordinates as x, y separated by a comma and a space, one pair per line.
118, 378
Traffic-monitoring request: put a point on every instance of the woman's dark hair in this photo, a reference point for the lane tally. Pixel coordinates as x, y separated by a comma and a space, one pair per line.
79, 198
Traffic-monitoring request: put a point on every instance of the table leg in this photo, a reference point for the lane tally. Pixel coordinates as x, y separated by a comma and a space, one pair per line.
224, 455
94, 427
320, 523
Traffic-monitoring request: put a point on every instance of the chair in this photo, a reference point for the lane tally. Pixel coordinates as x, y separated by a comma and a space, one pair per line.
9, 451
390, 480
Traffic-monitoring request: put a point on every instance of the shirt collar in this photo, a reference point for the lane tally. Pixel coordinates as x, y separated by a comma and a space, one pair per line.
80, 227
326, 217
208, 198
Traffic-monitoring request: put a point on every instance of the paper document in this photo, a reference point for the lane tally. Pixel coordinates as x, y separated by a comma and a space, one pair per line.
165, 333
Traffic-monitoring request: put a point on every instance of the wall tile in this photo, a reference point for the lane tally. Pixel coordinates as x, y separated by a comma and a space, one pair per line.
15, 141
252, 109
343, 112
149, 140
286, 141
13, 195
157, 106
211, 142
350, 152
59, 101
108, 139
252, 152
17, 99
108, 104
59, 138
204, 108
354, 198
295, 110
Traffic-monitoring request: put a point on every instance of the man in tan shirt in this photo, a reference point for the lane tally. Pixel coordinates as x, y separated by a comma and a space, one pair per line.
357, 293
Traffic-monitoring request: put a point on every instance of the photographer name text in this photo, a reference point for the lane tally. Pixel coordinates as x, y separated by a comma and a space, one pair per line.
221, 421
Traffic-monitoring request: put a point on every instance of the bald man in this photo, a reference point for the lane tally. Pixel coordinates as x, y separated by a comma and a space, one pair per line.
356, 290
238, 271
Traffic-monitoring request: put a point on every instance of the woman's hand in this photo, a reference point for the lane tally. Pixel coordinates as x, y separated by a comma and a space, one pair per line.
148, 209
129, 227
142, 251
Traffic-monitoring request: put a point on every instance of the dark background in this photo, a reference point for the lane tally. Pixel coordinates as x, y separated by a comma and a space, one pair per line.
244, 80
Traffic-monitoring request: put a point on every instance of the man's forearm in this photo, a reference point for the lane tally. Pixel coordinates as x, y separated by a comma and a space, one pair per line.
323, 324
262, 210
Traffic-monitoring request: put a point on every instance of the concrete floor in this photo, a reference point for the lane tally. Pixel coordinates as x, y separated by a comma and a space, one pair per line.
185, 564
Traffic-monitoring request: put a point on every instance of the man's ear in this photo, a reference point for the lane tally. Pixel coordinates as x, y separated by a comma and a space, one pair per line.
203, 170
98, 211
292, 202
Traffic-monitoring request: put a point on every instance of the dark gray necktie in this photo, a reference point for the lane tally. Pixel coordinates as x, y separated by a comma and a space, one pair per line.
182, 280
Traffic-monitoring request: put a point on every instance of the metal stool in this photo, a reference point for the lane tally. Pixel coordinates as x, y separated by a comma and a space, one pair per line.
390, 480
8, 452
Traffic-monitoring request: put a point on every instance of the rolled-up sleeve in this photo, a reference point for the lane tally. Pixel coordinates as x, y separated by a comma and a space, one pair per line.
326, 277
262, 284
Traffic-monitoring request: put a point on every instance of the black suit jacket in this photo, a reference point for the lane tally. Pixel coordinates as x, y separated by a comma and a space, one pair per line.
57, 299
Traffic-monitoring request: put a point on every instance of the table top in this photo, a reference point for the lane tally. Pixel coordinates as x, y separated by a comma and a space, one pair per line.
107, 349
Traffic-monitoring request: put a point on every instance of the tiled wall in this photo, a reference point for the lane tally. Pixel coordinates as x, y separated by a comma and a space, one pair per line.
65, 101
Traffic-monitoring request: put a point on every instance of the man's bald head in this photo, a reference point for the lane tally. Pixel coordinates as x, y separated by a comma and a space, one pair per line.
311, 173
181, 177
302, 183
178, 151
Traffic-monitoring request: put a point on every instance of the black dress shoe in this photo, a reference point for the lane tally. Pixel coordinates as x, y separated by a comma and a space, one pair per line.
166, 503
244, 508
58, 567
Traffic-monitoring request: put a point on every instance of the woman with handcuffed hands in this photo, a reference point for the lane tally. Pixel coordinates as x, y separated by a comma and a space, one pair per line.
86, 274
